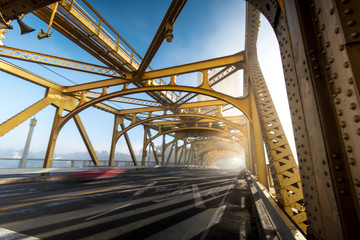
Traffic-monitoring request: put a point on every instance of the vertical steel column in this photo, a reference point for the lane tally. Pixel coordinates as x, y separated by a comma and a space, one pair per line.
259, 142
176, 152
52, 139
117, 120
145, 143
163, 150
86, 140
170, 153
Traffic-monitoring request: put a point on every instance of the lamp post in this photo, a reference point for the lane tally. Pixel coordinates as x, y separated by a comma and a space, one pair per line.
22, 163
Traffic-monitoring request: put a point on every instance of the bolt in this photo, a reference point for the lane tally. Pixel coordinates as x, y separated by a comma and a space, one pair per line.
356, 118
352, 161
346, 136
352, 106
351, 81
349, 92
348, 11
351, 23
349, 149
343, 124
338, 167
355, 35
340, 112
346, 64
337, 100
357, 182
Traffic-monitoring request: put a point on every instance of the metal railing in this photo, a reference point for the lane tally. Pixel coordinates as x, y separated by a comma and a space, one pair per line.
58, 163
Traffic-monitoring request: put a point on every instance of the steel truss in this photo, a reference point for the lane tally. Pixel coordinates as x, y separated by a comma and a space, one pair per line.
319, 44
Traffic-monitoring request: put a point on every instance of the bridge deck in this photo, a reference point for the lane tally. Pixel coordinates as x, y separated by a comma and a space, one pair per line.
148, 204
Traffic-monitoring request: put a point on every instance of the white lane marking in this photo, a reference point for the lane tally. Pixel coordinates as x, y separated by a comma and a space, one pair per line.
243, 230
220, 214
176, 194
141, 191
197, 197
11, 235
242, 202
98, 215
217, 212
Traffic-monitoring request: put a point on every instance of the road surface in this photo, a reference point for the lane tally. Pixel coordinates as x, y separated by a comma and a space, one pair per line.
147, 204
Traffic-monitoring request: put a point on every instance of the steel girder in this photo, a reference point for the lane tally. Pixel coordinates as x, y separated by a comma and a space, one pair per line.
319, 43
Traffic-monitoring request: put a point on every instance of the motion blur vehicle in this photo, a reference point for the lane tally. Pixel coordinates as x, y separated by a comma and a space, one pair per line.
95, 173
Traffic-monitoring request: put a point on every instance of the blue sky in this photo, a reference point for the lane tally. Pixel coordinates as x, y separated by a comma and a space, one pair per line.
205, 29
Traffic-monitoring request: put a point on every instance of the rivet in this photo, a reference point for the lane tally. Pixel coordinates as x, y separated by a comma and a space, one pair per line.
316, 67
317, 76
357, 182
318, 10
341, 47
352, 161
331, 60
352, 106
338, 168
331, 82
337, 100
323, 162
337, 30
351, 23
349, 149
346, 64
328, 184
332, 11
335, 156
343, 124
356, 118
326, 173
351, 81
340, 179
348, 11
319, 35
344, 1
338, 90
322, 27
343, 192
340, 112
355, 34
327, 44
313, 59
346, 136
323, 51
316, 20
349, 92
358, 131
312, 50
327, 66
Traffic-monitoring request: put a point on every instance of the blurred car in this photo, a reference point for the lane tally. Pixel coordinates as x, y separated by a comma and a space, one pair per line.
93, 173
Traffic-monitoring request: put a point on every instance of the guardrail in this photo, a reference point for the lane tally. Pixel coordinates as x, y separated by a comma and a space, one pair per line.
58, 163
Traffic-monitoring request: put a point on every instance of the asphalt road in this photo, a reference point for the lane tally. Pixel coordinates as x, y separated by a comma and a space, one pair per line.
150, 204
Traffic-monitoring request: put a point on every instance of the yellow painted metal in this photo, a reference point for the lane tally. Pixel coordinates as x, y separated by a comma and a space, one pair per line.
26, 55
22, 116
86, 140
284, 168
194, 67
259, 143
28, 76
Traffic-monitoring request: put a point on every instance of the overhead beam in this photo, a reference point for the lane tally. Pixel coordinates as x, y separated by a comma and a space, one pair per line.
29, 56
28, 76
197, 66
165, 27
